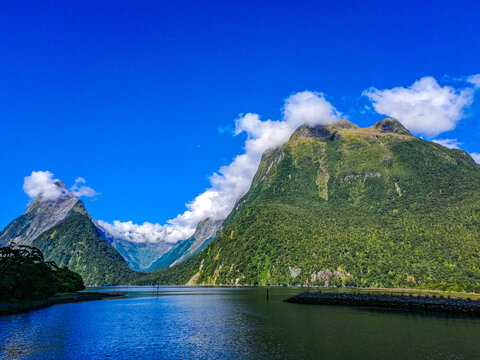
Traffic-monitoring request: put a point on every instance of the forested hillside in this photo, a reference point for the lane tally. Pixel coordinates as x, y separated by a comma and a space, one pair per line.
341, 205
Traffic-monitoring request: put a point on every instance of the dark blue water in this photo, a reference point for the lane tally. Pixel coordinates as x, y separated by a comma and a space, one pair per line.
223, 323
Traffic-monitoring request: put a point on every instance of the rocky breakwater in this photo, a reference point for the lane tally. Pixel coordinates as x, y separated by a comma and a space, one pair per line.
418, 303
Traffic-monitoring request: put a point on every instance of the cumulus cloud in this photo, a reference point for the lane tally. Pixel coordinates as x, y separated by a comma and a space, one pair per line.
82, 190
147, 232
476, 157
475, 80
425, 107
449, 143
232, 181
41, 184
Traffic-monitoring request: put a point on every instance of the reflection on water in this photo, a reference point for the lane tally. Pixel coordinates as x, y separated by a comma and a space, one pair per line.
225, 323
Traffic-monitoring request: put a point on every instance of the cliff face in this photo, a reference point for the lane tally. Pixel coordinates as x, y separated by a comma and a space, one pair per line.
346, 205
41, 216
204, 234
65, 233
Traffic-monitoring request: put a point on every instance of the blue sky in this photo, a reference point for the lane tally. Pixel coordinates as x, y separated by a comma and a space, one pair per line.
135, 97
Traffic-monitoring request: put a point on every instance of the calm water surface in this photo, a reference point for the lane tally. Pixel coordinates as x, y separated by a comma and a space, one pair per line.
226, 323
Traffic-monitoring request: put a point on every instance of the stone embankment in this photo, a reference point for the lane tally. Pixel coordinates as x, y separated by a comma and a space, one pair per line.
418, 303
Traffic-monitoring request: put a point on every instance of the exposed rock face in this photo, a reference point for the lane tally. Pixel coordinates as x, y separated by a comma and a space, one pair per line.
204, 234
363, 175
41, 216
294, 272
391, 126
205, 231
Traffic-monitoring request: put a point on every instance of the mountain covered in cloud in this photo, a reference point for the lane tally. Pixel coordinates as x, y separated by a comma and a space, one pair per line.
139, 255
45, 212
57, 223
426, 108
343, 205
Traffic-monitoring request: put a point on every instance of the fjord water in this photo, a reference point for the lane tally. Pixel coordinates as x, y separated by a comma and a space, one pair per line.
231, 323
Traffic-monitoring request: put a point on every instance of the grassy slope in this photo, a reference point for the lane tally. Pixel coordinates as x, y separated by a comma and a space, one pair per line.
369, 209
76, 243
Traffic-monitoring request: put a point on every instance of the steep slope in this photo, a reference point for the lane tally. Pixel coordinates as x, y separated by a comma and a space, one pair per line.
65, 233
75, 242
41, 216
139, 256
204, 235
341, 205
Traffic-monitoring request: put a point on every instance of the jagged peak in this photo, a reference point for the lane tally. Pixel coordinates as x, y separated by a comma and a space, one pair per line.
344, 124
60, 184
315, 132
390, 125
337, 130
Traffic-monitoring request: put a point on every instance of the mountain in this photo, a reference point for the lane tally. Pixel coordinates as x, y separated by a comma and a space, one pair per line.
204, 234
65, 233
75, 242
343, 205
139, 255
41, 216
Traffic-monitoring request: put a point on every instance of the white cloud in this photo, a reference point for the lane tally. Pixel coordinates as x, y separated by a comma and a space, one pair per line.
449, 143
425, 107
476, 157
232, 181
147, 232
41, 184
475, 80
79, 191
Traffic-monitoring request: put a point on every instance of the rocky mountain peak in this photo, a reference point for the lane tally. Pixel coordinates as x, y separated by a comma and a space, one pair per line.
41, 216
322, 132
207, 228
389, 125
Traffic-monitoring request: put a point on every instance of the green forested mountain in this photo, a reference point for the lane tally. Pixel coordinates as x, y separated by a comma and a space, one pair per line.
76, 243
341, 205
65, 233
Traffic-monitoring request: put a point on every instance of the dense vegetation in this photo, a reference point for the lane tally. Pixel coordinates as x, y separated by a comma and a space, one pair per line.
349, 206
26, 275
76, 243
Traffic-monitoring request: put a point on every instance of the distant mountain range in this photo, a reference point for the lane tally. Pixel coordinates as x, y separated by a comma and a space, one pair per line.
139, 255
204, 235
66, 234
343, 205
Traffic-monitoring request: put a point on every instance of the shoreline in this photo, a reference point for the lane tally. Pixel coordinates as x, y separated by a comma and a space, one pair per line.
20, 306
396, 302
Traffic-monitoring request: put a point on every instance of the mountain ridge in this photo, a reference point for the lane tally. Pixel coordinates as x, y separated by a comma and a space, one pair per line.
343, 205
